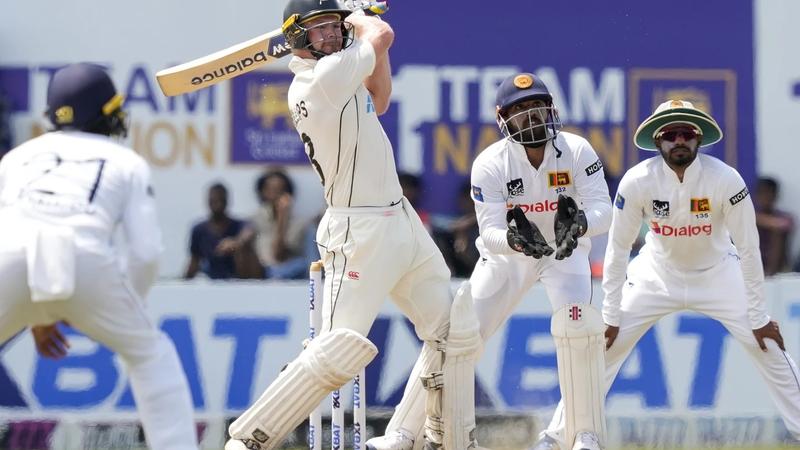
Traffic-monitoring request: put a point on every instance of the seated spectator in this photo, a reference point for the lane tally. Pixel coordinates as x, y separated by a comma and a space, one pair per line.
274, 234
213, 243
456, 240
412, 189
774, 227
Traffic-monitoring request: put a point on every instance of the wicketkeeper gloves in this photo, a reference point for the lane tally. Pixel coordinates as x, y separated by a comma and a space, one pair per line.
570, 224
524, 237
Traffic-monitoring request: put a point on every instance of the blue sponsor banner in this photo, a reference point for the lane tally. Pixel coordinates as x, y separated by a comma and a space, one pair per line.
54, 386
261, 123
230, 351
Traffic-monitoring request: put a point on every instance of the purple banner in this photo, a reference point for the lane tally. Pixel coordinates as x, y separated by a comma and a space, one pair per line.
261, 124
14, 86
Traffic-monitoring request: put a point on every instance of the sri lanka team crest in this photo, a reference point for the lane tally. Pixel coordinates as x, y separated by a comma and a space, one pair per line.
557, 179
700, 205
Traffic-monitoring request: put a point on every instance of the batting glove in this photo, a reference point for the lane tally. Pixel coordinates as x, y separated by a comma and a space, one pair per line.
570, 224
524, 237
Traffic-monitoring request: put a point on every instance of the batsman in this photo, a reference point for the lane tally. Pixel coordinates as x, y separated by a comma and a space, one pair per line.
539, 194
372, 243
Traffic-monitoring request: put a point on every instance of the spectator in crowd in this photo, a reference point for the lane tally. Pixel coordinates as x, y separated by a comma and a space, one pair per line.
774, 227
274, 233
214, 246
457, 239
412, 190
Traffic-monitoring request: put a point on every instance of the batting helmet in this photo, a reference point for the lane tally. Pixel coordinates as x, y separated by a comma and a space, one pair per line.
298, 11
83, 97
532, 126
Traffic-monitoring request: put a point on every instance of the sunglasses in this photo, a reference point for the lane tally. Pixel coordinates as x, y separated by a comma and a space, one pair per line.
671, 135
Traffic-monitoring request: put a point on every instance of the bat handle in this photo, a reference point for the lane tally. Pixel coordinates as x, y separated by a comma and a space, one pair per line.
376, 8
369, 8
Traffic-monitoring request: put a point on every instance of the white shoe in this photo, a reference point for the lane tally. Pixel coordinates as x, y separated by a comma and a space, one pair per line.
586, 440
394, 440
546, 443
242, 444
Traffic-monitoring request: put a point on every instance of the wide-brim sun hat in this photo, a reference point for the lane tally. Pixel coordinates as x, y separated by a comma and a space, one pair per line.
676, 112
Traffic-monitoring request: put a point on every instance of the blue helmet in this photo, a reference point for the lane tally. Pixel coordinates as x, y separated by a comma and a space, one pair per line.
83, 97
532, 126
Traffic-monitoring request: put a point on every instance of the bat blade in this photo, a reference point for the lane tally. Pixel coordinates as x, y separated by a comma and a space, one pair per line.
223, 65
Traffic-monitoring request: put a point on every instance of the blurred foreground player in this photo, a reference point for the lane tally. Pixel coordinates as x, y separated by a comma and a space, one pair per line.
62, 195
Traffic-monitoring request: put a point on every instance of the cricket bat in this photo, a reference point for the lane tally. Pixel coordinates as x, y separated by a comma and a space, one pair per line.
238, 59
224, 64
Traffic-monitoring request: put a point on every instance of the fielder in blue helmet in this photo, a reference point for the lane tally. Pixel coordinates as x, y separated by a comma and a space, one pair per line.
82, 97
525, 111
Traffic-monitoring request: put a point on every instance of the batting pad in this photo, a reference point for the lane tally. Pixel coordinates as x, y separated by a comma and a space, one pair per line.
464, 346
409, 414
578, 331
329, 361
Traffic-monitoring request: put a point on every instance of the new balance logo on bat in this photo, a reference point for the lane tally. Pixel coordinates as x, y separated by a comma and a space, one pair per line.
229, 69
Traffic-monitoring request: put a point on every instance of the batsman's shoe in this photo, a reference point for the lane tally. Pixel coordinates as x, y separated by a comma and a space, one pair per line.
236, 444
546, 443
585, 440
394, 440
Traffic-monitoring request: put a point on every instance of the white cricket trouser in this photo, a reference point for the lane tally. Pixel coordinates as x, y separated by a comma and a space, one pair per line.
652, 291
105, 308
373, 253
500, 281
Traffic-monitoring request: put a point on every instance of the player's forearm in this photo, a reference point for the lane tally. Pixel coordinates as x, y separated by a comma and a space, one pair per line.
493, 227
379, 84
753, 274
496, 241
598, 216
615, 264
614, 270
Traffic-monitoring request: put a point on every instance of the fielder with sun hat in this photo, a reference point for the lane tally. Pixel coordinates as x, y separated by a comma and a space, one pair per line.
694, 205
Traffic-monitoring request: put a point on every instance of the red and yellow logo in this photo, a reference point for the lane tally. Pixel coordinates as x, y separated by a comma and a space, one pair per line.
700, 205
555, 179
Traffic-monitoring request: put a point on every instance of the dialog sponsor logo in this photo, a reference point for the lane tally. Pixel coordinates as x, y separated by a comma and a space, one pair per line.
545, 206
684, 231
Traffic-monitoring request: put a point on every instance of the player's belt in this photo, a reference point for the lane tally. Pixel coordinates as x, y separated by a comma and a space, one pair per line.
377, 210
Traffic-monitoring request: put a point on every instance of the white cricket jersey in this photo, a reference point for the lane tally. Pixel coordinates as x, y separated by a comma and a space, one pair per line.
83, 181
336, 119
691, 225
502, 177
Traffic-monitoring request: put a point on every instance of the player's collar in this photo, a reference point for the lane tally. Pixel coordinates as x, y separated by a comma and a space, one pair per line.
298, 64
691, 173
